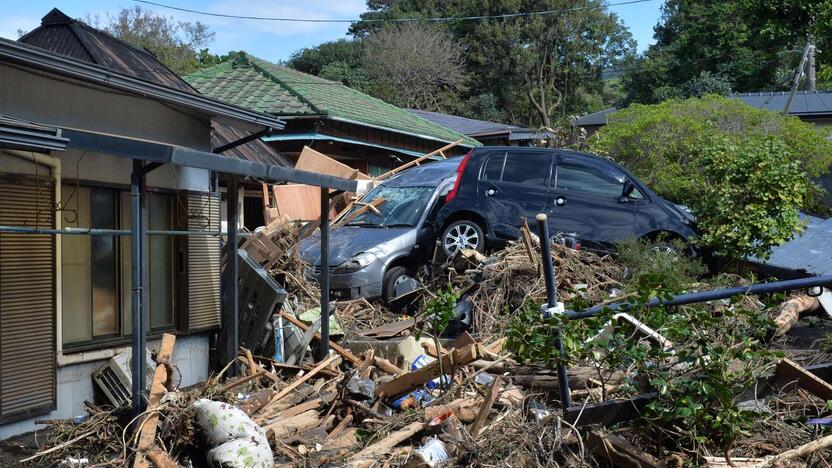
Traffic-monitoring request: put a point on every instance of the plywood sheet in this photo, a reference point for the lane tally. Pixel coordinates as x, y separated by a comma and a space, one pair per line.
314, 161
297, 202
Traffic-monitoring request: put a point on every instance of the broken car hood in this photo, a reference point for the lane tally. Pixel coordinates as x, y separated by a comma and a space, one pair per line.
346, 242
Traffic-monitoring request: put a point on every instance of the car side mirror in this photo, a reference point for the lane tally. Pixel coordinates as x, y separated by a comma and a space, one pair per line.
628, 189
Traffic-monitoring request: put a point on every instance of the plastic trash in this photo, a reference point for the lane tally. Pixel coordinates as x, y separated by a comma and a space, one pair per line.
433, 452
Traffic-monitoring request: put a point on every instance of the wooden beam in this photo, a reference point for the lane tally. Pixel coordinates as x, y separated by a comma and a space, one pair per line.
147, 433
792, 371
417, 161
385, 445
338, 349
361, 210
485, 409
304, 378
413, 380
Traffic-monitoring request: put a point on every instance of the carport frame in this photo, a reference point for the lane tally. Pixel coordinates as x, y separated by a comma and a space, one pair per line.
150, 155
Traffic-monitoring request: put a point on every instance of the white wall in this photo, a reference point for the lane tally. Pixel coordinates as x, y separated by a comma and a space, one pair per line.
190, 356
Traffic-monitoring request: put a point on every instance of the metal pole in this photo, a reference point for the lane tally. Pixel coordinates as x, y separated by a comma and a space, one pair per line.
552, 301
811, 75
232, 332
137, 280
712, 295
798, 74
324, 352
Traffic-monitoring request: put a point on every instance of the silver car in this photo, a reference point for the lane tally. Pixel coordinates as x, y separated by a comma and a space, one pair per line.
378, 254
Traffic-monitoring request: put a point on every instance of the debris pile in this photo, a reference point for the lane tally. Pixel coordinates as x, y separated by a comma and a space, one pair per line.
716, 384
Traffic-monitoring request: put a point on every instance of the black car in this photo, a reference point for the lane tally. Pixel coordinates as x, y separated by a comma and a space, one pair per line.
585, 196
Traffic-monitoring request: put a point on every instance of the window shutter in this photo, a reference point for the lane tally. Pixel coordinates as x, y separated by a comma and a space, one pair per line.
201, 288
27, 300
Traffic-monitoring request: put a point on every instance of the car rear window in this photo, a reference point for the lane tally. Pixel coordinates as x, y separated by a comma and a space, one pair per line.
606, 182
494, 167
527, 169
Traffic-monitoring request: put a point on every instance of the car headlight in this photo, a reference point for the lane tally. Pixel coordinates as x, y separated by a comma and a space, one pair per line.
356, 263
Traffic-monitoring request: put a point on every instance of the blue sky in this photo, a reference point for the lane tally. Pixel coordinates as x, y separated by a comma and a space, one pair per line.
270, 40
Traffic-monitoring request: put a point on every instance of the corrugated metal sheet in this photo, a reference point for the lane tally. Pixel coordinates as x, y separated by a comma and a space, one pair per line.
27, 301
255, 150
809, 253
203, 261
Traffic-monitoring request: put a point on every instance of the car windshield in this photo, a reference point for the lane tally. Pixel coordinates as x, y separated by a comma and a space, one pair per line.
402, 206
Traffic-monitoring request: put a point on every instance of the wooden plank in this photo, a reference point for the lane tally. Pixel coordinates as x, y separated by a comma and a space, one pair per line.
304, 378
619, 452
298, 202
365, 369
252, 367
314, 161
343, 352
464, 340
389, 330
413, 380
361, 210
241, 380
485, 409
157, 390
418, 160
792, 371
387, 366
160, 458
385, 445
294, 425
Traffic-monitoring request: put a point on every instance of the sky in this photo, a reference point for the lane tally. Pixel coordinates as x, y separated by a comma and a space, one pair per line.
271, 40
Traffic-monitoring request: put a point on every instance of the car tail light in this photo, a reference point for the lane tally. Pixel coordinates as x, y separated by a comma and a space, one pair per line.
459, 170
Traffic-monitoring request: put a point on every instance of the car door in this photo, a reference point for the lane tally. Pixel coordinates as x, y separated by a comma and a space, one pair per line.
586, 200
514, 185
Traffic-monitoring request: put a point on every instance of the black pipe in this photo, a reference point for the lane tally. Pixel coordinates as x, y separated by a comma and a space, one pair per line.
232, 327
137, 280
552, 301
711, 295
324, 350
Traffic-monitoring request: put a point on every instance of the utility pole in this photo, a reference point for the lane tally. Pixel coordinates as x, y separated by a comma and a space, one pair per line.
798, 75
811, 80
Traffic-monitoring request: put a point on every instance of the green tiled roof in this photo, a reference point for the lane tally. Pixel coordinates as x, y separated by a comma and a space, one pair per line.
259, 85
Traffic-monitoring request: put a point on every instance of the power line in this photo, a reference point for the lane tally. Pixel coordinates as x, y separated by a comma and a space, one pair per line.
398, 20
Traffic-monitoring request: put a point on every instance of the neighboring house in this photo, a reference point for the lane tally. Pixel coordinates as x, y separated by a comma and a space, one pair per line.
359, 130
76, 106
590, 123
487, 133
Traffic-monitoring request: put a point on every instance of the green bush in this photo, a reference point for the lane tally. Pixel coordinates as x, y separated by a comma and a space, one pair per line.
674, 272
743, 171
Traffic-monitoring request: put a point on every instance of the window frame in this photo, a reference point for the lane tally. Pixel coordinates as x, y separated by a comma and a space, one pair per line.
506, 154
122, 337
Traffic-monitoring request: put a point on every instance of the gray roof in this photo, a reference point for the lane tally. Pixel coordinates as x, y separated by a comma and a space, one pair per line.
810, 251
805, 103
466, 126
595, 118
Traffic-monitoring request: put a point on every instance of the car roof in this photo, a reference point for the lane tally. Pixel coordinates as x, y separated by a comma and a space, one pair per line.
428, 174
531, 149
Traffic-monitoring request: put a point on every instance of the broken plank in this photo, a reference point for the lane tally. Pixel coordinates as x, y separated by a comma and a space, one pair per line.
160, 458
619, 452
147, 433
296, 424
387, 366
240, 381
413, 380
343, 352
304, 378
792, 371
485, 409
252, 367
385, 445
389, 330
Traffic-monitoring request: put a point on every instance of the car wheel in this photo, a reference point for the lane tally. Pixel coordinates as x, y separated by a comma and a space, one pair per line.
665, 249
462, 234
397, 282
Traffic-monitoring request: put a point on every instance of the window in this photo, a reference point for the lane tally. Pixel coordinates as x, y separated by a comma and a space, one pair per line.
96, 270
494, 168
606, 182
527, 169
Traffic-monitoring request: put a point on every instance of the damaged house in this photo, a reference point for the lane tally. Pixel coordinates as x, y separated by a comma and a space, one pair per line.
79, 109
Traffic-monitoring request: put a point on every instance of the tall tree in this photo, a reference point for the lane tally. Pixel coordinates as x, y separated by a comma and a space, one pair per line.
180, 45
415, 65
750, 45
340, 60
539, 67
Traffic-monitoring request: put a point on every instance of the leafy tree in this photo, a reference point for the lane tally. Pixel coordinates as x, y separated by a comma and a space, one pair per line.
180, 45
339, 60
753, 45
429, 76
539, 67
742, 170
